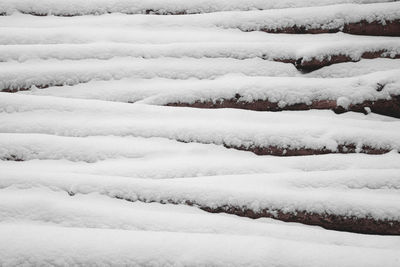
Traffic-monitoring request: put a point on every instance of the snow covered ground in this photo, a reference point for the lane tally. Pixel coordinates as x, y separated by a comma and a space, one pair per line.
97, 170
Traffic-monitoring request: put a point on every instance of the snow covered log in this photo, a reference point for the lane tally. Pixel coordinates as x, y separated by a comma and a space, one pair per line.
377, 92
137, 157
15, 76
389, 107
362, 201
44, 73
304, 56
382, 19
162, 7
262, 133
327, 221
363, 27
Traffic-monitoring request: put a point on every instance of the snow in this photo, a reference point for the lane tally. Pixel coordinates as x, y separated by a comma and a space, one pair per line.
285, 91
88, 163
79, 7
173, 161
32, 244
239, 128
359, 193
350, 69
97, 211
285, 47
327, 17
60, 72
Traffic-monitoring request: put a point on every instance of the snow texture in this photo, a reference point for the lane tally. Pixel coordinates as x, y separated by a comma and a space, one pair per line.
95, 171
359, 193
238, 128
33, 244
79, 7
60, 72
326, 17
281, 90
286, 47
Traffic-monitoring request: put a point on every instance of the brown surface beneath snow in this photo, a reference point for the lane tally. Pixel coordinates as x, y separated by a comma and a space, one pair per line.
376, 28
280, 151
328, 221
389, 107
314, 64
353, 224
305, 151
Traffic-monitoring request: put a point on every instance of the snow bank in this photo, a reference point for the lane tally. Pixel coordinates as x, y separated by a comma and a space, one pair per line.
232, 128
79, 7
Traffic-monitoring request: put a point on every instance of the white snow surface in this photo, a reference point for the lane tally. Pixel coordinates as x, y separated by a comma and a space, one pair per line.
33, 244
286, 47
359, 193
80, 7
239, 128
174, 161
281, 90
60, 72
50, 72
98, 211
327, 17
87, 166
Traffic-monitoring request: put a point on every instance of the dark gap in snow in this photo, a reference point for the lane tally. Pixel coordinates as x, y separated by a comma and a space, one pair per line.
388, 107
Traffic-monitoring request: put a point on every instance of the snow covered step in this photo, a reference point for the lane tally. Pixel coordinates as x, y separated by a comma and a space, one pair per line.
41, 245
16, 76
306, 53
379, 91
367, 19
44, 206
284, 133
79, 7
364, 201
